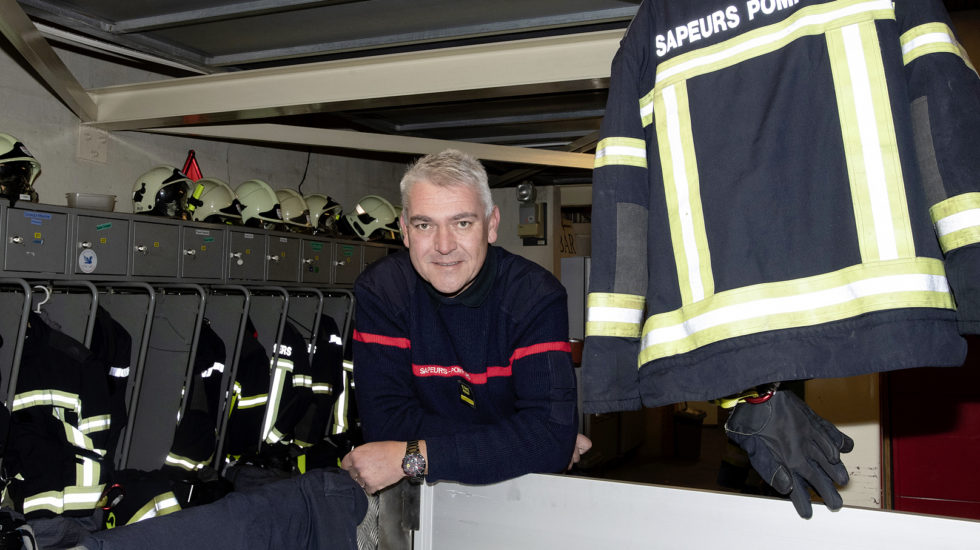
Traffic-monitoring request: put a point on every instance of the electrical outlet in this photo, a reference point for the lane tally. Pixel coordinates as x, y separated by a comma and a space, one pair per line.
93, 144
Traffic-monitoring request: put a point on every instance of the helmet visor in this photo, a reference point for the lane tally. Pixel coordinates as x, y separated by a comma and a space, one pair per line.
171, 200
15, 179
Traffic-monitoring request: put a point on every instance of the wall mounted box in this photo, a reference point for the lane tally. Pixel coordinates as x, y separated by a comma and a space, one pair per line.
202, 252
283, 259
246, 256
347, 263
156, 249
100, 245
316, 261
35, 240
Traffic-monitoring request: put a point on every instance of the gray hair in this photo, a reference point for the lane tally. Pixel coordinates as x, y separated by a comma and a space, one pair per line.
448, 168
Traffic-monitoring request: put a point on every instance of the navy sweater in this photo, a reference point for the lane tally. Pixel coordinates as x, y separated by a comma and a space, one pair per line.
485, 378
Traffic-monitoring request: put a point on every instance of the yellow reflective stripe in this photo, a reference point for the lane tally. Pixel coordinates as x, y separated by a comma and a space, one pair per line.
340, 406
95, 423
931, 38
808, 21
52, 501
348, 365
52, 398
87, 471
275, 397
957, 221
614, 315
683, 192
78, 439
184, 462
621, 151
252, 401
870, 146
323, 388
275, 436
302, 381
83, 497
161, 505
72, 498
864, 288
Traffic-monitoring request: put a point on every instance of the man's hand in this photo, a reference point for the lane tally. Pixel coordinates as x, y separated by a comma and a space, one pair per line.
375, 466
792, 448
582, 446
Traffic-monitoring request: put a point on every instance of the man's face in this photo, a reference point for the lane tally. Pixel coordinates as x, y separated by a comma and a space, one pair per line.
447, 234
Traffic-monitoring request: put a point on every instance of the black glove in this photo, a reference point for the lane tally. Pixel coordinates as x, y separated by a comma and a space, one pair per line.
792, 448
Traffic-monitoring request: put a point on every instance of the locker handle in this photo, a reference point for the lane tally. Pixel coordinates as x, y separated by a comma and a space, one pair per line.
85, 244
238, 255
17, 240
272, 258
141, 248
308, 261
190, 252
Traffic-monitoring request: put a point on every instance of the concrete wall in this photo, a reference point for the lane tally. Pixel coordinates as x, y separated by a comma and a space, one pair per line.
543, 255
50, 130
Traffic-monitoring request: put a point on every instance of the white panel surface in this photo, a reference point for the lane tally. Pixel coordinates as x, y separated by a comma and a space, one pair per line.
566, 512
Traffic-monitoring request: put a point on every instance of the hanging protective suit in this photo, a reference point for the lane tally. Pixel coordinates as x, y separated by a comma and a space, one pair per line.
769, 187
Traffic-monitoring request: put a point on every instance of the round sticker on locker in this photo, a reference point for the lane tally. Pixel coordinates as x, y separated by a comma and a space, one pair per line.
88, 260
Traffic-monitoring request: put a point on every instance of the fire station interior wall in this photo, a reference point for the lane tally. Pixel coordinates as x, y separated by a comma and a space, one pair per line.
50, 130
541, 252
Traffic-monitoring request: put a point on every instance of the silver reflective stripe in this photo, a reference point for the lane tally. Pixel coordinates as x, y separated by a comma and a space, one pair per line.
216, 367
119, 372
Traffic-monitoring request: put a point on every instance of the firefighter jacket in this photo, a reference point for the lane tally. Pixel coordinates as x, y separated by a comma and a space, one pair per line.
326, 382
251, 392
112, 344
60, 421
291, 388
783, 190
196, 434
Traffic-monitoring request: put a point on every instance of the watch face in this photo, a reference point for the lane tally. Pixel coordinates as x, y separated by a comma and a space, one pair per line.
413, 465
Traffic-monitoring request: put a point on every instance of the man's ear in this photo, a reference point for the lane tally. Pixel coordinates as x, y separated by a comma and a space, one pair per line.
492, 223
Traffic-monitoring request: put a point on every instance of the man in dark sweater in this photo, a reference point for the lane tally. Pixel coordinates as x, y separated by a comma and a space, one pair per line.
462, 365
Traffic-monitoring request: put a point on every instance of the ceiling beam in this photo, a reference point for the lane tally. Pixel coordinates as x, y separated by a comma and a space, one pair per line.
432, 36
539, 65
471, 122
24, 36
585, 143
84, 28
365, 141
217, 13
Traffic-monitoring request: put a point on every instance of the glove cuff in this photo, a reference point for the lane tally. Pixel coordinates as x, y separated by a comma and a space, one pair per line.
756, 395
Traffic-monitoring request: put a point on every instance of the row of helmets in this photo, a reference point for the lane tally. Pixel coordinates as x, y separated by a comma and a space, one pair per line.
166, 191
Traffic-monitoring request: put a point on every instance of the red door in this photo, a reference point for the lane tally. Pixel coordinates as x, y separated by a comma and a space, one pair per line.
935, 438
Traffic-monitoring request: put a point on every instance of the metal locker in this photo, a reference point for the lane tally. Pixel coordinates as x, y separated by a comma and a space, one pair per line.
283, 258
315, 264
347, 263
35, 241
155, 249
246, 256
101, 245
202, 252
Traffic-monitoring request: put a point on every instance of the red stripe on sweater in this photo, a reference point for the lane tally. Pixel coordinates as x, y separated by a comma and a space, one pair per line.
492, 372
369, 338
544, 347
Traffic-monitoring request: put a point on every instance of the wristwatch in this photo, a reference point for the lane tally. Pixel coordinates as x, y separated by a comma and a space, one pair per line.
414, 463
